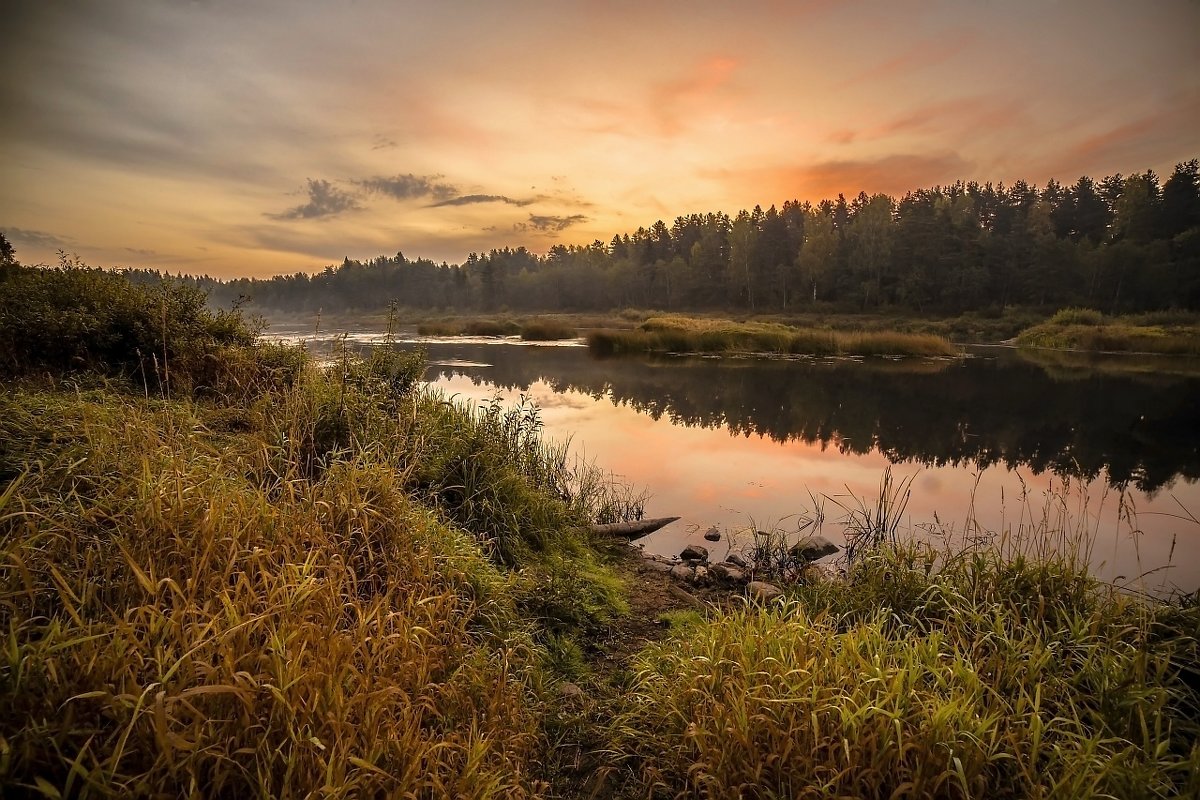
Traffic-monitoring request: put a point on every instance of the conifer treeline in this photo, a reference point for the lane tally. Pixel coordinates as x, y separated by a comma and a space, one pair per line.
1125, 243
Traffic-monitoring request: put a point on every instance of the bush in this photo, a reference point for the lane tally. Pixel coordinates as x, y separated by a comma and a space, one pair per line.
76, 319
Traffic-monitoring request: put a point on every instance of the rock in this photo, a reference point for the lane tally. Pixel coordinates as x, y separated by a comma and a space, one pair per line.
694, 552
762, 591
727, 573
700, 576
820, 573
570, 691
655, 565
681, 572
713, 534
812, 548
738, 561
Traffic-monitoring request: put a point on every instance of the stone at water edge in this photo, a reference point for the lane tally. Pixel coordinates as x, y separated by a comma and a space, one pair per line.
727, 572
762, 591
713, 534
681, 572
694, 552
738, 561
700, 577
657, 566
813, 548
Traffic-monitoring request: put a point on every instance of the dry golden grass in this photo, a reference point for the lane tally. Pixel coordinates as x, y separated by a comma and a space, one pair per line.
183, 617
679, 334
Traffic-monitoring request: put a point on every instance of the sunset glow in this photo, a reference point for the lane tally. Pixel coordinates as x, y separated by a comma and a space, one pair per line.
274, 137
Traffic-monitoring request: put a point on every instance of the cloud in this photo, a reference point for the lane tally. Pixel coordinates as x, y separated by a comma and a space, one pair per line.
963, 116
35, 238
324, 200
926, 54
675, 102
472, 199
894, 174
144, 253
548, 223
407, 187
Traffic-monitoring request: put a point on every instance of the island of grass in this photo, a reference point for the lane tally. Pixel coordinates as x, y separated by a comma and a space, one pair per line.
533, 330
1161, 332
681, 334
228, 571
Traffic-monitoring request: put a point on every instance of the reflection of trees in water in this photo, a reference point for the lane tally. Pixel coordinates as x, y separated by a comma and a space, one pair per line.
985, 411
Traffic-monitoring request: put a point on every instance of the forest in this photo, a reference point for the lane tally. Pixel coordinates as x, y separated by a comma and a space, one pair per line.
1121, 244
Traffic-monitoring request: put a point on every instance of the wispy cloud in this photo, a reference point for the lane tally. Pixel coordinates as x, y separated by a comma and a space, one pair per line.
923, 55
33, 238
549, 223
961, 115
324, 200
892, 174
409, 186
472, 199
674, 102
142, 252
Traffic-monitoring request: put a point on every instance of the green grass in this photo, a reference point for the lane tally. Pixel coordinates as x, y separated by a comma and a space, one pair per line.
1164, 333
987, 675
288, 580
333, 584
678, 334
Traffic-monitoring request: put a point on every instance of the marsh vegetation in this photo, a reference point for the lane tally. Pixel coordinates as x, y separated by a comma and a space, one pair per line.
232, 570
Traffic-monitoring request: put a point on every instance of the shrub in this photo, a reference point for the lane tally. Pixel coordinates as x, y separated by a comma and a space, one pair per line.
76, 319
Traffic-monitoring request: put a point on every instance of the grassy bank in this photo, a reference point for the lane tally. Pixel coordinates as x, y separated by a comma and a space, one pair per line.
676, 334
1167, 333
299, 582
988, 677
227, 571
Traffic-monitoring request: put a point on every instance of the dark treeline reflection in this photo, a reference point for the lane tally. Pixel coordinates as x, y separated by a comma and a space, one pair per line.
986, 410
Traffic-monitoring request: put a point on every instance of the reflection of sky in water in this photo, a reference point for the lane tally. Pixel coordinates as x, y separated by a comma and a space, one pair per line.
711, 477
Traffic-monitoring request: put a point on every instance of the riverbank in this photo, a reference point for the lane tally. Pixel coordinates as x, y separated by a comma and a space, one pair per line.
1163, 333
228, 567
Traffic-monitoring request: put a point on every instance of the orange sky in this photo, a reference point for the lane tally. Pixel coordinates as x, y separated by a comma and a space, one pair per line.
234, 138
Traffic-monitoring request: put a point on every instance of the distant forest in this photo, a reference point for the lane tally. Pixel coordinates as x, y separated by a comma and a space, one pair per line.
1122, 244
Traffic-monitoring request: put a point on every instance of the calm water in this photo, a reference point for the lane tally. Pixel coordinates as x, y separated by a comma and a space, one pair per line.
995, 438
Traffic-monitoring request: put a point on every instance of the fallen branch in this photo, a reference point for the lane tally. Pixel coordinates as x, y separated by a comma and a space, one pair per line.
632, 530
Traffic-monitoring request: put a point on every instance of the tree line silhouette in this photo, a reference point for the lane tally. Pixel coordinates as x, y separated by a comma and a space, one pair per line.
1124, 243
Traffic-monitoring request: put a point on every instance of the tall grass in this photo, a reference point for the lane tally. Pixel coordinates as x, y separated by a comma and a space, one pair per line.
547, 330
340, 586
986, 675
1165, 333
690, 335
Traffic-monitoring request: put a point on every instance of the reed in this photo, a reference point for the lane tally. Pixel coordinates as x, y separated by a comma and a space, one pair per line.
1163, 333
692, 335
547, 330
986, 675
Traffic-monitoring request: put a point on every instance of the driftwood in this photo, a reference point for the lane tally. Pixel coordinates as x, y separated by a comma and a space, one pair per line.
632, 530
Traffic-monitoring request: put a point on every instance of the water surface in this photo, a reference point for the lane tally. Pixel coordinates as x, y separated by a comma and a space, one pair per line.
987, 441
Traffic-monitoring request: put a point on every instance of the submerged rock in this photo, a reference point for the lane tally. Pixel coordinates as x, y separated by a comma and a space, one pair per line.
694, 552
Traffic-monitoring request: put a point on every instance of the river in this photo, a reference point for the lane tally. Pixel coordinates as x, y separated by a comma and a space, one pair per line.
1107, 447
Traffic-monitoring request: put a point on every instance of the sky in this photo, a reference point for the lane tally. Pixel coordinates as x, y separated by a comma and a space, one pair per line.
260, 137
